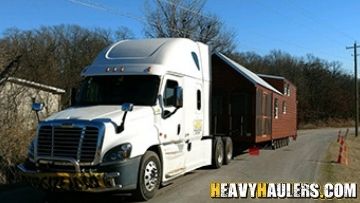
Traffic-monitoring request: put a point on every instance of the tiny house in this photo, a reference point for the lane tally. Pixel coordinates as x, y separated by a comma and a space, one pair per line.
285, 105
251, 108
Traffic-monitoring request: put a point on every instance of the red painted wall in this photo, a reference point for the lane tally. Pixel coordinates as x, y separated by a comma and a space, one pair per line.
286, 123
226, 83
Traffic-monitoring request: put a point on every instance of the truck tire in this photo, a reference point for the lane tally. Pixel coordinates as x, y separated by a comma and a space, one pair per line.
218, 153
228, 149
149, 176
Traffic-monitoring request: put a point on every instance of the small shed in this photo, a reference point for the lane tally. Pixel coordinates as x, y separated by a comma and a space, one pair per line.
17, 96
244, 104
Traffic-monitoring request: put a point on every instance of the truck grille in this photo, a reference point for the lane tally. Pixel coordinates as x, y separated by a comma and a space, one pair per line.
74, 142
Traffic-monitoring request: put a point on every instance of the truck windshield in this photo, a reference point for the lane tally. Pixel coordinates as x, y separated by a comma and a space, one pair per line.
116, 90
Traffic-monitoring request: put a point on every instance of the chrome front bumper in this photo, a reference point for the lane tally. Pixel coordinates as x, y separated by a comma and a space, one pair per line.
63, 181
121, 176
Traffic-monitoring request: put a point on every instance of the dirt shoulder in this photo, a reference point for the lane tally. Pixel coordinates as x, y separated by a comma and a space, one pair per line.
333, 172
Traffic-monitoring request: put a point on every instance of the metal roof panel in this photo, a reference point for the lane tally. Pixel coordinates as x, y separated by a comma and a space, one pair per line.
252, 77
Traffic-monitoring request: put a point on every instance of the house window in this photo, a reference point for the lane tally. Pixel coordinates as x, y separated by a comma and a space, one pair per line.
288, 90
276, 108
284, 107
198, 100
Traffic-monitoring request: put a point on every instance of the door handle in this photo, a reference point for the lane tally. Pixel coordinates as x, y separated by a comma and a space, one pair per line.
178, 129
188, 145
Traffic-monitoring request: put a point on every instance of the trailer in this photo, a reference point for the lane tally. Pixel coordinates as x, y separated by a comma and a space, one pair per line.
147, 112
251, 109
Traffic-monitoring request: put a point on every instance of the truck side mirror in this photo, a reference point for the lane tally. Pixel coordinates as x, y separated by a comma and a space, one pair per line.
37, 107
178, 97
127, 107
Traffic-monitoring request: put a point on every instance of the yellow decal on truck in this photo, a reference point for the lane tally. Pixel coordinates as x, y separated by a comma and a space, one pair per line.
67, 181
197, 126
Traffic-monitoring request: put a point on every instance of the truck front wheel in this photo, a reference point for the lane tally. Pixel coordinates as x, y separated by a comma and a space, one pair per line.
149, 176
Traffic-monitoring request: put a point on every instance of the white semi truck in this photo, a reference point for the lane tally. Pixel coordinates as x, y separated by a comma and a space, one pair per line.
140, 119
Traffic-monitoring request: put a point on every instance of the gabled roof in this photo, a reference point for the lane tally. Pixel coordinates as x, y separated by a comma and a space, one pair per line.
33, 84
271, 76
252, 77
276, 78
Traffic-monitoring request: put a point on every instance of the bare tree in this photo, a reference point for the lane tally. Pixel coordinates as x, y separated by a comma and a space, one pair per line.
9, 57
186, 18
123, 33
9, 69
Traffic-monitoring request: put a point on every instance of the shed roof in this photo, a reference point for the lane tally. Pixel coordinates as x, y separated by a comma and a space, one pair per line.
271, 76
33, 84
252, 77
276, 77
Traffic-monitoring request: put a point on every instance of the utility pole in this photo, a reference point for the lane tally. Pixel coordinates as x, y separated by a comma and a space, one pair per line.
356, 88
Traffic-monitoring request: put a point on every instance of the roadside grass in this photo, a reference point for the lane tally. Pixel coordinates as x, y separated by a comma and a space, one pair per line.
331, 122
332, 172
14, 143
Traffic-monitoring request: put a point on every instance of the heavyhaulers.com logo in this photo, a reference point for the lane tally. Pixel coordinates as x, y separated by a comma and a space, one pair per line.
283, 190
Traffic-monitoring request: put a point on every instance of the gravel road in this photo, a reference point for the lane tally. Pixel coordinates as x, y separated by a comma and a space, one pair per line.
298, 162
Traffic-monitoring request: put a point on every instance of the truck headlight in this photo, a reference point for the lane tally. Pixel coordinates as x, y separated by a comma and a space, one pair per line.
31, 150
118, 153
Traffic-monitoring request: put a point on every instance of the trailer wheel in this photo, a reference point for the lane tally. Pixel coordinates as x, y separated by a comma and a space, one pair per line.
228, 149
218, 153
149, 176
273, 144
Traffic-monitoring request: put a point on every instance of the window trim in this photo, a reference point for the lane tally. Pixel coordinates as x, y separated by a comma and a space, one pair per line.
284, 107
276, 108
288, 90
164, 91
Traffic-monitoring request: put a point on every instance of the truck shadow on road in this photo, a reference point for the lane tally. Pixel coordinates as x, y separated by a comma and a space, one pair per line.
88, 198
23, 193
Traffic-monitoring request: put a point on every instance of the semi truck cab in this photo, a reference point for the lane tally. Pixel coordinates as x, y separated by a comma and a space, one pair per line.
139, 119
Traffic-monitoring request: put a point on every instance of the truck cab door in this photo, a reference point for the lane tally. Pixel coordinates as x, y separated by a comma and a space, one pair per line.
171, 128
194, 110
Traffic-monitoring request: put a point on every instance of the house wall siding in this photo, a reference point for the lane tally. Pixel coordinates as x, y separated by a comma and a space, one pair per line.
16, 101
286, 123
